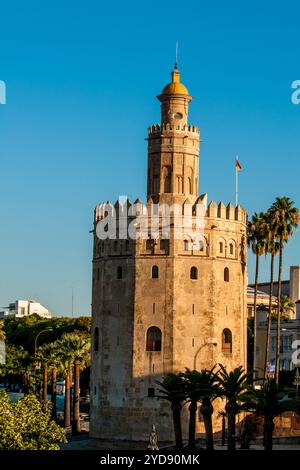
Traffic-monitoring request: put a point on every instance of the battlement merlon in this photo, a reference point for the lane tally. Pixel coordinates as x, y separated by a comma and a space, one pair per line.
198, 209
156, 130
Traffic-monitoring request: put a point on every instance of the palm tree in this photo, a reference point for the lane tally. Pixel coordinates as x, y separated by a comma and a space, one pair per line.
50, 352
75, 351
272, 249
42, 360
45, 383
285, 217
200, 386
65, 358
81, 346
172, 389
257, 239
209, 391
192, 390
286, 307
268, 402
232, 387
53, 391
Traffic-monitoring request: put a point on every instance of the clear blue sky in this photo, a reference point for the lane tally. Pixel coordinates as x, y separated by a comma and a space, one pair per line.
82, 78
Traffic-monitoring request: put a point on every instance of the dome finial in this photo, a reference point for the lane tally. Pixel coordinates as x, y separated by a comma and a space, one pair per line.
176, 57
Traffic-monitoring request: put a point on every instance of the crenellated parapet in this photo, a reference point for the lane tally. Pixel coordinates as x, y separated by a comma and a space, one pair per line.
229, 212
188, 208
157, 129
188, 228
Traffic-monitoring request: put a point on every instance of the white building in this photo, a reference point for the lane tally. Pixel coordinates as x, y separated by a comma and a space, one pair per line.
23, 308
289, 288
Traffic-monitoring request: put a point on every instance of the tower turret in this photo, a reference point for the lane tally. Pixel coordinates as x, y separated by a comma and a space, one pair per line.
173, 148
174, 100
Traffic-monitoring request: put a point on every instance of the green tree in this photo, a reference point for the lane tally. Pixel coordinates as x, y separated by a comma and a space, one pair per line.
27, 425
268, 402
257, 240
232, 387
272, 249
2, 332
23, 331
18, 365
285, 217
172, 389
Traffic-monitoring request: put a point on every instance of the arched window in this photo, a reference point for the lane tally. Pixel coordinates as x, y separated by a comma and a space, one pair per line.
180, 184
226, 275
231, 248
167, 179
186, 245
153, 339
201, 246
194, 272
127, 245
154, 272
148, 244
227, 341
221, 247
96, 339
116, 246
119, 272
190, 189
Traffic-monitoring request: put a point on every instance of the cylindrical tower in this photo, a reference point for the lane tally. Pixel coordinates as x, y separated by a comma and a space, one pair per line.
165, 302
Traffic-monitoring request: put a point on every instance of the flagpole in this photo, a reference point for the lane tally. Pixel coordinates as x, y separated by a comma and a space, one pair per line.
236, 183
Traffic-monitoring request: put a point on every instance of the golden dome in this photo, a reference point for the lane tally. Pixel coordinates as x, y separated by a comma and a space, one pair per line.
175, 87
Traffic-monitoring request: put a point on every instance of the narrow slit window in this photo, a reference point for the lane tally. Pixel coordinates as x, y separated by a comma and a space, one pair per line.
194, 272
226, 275
119, 272
155, 272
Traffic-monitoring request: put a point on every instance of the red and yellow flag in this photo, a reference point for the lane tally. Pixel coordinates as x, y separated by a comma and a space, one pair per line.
237, 165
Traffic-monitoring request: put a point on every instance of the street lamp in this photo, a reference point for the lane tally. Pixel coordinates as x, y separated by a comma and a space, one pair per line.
36, 338
209, 343
35, 346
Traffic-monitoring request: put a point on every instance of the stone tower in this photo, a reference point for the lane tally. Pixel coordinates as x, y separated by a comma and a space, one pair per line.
171, 298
